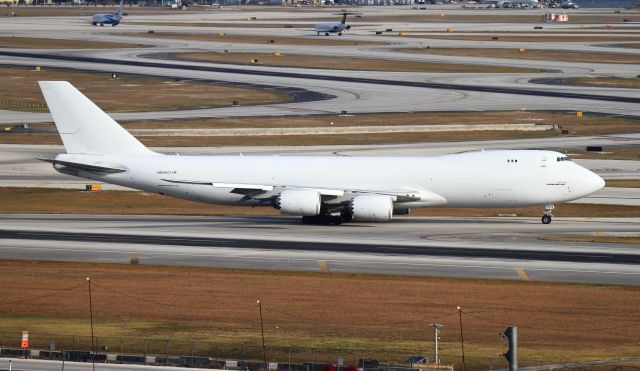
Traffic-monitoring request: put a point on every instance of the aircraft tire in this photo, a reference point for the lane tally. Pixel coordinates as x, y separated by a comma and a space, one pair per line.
101, 24
339, 33
326, 34
546, 219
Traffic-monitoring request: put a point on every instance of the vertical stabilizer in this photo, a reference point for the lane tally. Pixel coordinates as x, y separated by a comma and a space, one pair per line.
119, 10
83, 126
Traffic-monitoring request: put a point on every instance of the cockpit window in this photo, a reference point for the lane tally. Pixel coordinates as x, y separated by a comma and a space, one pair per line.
563, 159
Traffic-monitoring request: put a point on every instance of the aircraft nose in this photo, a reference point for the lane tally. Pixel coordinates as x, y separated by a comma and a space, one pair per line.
593, 182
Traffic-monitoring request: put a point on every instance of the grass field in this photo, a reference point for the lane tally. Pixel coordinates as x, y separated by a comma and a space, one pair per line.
596, 239
40, 43
297, 140
611, 153
69, 201
352, 312
531, 54
79, 11
19, 90
624, 183
347, 63
235, 24
252, 39
606, 82
544, 37
431, 16
586, 125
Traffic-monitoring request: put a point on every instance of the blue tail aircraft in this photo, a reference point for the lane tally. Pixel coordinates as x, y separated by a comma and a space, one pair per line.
112, 19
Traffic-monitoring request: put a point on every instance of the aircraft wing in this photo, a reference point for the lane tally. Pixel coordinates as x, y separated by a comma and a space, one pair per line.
262, 191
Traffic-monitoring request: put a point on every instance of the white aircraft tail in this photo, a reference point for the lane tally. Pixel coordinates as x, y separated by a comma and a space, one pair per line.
119, 10
83, 126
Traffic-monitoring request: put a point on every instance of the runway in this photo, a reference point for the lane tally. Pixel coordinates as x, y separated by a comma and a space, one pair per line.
353, 91
329, 77
500, 248
496, 248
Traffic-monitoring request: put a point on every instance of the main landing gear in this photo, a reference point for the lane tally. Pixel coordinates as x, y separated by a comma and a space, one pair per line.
546, 218
326, 219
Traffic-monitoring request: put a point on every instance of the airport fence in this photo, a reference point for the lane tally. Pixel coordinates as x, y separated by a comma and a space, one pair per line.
243, 355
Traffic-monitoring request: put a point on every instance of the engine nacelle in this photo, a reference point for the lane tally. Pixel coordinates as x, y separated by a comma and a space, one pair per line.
372, 208
303, 202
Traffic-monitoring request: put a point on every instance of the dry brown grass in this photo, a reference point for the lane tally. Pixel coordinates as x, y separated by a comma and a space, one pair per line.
624, 183
41, 43
243, 24
68, 201
607, 82
78, 11
48, 200
19, 86
586, 125
611, 153
596, 239
526, 38
297, 140
346, 63
252, 39
556, 321
444, 16
531, 54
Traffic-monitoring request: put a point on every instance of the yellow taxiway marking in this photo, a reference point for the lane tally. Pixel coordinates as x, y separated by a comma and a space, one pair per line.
522, 274
324, 267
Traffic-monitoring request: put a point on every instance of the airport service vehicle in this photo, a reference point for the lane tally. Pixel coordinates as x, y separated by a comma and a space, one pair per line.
333, 27
320, 189
112, 19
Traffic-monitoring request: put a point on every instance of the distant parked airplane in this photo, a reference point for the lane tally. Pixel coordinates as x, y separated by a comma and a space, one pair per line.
320, 189
112, 19
334, 27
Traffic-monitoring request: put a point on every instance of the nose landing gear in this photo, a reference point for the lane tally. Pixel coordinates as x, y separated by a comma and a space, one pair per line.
546, 218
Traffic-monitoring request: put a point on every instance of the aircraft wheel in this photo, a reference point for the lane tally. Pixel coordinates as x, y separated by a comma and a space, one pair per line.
546, 219
94, 24
326, 34
339, 33
101, 24
336, 220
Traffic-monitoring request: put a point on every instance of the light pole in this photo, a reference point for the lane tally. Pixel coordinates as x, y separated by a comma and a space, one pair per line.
461, 336
264, 349
93, 350
436, 338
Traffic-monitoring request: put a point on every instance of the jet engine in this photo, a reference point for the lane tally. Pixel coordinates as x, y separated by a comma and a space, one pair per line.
303, 202
372, 208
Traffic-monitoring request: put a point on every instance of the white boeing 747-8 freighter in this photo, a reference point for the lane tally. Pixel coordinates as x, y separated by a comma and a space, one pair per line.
322, 189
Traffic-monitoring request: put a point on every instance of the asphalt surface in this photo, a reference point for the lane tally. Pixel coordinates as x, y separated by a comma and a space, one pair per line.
452, 247
448, 247
353, 91
311, 76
